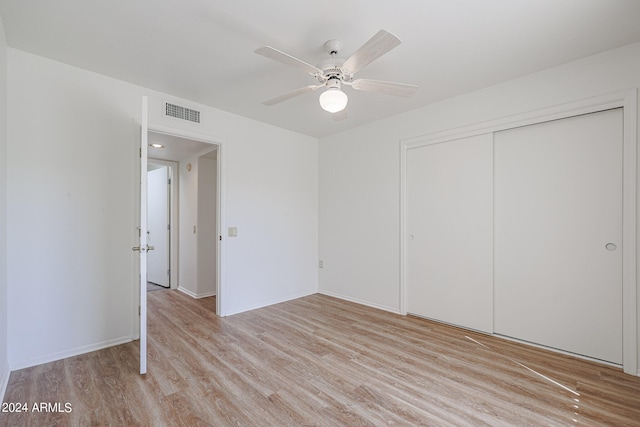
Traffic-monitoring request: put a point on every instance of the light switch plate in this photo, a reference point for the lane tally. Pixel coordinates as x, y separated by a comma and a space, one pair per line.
233, 231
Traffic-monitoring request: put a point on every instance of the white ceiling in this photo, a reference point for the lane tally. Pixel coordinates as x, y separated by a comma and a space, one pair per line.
177, 148
202, 50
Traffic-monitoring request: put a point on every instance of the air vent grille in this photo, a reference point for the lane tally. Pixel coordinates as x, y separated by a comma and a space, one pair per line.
183, 113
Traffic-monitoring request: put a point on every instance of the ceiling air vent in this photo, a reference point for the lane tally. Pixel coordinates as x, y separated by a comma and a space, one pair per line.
183, 113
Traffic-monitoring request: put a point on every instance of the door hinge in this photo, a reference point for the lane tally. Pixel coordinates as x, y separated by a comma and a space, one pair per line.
139, 311
220, 238
140, 153
168, 226
169, 181
169, 272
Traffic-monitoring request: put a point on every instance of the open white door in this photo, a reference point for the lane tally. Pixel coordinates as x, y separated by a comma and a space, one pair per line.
158, 226
142, 248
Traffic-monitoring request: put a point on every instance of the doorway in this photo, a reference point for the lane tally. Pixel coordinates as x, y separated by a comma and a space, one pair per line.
189, 217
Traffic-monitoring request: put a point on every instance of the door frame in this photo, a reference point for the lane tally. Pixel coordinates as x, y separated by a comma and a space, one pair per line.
142, 235
627, 100
220, 203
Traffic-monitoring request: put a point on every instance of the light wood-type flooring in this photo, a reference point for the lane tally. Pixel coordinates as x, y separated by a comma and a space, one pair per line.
320, 361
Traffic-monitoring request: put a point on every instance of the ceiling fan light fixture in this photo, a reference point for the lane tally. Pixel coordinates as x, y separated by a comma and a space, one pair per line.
333, 100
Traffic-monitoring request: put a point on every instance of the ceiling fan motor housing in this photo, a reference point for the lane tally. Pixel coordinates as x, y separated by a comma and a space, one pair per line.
331, 67
333, 83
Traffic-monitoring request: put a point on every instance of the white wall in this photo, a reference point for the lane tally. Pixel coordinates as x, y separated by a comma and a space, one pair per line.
360, 169
207, 235
187, 219
4, 364
72, 169
197, 251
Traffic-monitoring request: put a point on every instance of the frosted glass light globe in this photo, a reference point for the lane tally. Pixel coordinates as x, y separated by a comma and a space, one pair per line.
333, 100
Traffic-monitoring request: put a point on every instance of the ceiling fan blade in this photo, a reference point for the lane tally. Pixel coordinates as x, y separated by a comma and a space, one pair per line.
339, 116
285, 58
293, 93
381, 43
389, 88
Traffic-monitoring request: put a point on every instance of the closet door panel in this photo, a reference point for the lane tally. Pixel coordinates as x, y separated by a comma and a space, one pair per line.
449, 232
558, 204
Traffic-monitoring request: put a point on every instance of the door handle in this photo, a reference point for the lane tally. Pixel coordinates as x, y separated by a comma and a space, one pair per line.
138, 249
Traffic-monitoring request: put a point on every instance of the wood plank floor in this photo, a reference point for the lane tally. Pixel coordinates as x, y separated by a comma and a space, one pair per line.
320, 361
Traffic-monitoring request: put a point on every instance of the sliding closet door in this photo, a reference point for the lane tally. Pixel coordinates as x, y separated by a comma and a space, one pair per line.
558, 234
449, 232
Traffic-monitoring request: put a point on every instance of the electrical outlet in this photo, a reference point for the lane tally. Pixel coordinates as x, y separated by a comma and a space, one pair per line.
321, 264
233, 231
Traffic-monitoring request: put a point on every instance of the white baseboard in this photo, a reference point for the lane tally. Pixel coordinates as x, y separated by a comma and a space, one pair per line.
361, 302
194, 295
4, 381
68, 353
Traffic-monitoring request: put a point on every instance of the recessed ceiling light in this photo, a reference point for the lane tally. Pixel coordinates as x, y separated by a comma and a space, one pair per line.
156, 145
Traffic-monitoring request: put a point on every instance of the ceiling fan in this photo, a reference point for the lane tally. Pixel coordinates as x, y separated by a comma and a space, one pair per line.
335, 72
